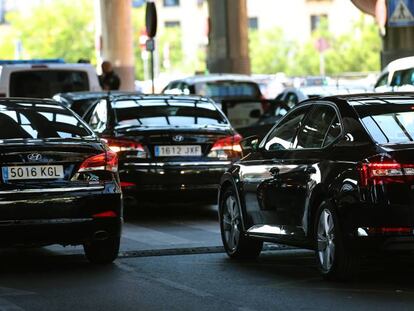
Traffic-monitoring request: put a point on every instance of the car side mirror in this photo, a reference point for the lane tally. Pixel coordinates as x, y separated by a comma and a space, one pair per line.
249, 144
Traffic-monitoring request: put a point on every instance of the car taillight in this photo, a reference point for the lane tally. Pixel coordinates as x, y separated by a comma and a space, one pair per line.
227, 147
107, 161
376, 173
120, 145
2, 95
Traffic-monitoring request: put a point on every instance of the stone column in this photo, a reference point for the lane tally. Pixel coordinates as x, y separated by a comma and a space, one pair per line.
116, 41
228, 49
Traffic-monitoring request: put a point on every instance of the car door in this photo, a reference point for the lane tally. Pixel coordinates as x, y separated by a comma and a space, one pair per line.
299, 170
259, 171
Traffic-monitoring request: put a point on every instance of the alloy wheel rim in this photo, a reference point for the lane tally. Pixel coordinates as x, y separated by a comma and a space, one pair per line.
231, 222
326, 240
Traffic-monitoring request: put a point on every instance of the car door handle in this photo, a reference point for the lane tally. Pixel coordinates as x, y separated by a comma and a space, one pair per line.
274, 171
310, 170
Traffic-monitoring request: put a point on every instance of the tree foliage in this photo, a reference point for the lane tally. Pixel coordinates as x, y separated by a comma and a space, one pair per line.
58, 29
355, 51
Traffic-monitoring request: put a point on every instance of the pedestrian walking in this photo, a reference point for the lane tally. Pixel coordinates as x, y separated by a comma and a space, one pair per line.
109, 80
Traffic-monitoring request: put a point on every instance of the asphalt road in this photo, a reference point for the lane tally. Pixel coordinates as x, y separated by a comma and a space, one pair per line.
180, 266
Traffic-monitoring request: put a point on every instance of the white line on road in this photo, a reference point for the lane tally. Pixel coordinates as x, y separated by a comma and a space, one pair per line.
6, 291
8, 306
183, 288
150, 236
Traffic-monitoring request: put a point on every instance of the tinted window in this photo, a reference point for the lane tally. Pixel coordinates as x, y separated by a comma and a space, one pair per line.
388, 123
382, 81
282, 136
99, 116
403, 77
228, 89
45, 83
316, 126
333, 132
26, 120
130, 112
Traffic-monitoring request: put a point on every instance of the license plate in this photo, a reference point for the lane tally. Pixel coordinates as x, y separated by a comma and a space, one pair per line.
177, 151
32, 172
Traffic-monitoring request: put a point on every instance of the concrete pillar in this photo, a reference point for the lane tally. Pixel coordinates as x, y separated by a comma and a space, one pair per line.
397, 42
116, 41
228, 49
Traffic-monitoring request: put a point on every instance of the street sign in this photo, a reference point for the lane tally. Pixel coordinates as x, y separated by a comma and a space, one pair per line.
400, 13
151, 19
150, 45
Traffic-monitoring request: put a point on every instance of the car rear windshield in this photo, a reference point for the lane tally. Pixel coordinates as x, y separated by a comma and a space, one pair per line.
224, 89
388, 123
166, 113
28, 120
46, 83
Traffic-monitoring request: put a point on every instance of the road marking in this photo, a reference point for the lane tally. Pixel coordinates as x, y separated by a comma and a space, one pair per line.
8, 306
6, 291
207, 226
183, 288
169, 283
150, 236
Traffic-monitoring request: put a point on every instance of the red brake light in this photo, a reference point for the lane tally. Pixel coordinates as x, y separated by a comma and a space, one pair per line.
227, 147
106, 214
119, 145
375, 173
126, 184
388, 230
107, 161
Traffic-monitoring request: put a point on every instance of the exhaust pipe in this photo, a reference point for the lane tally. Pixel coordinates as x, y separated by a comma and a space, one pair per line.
100, 235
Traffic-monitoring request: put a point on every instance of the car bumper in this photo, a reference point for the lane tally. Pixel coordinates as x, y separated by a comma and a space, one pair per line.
201, 178
58, 231
371, 227
71, 215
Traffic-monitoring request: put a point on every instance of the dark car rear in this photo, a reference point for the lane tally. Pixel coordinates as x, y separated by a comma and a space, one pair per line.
176, 144
336, 175
59, 182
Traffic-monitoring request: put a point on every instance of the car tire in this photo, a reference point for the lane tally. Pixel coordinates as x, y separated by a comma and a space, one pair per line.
236, 244
102, 251
335, 260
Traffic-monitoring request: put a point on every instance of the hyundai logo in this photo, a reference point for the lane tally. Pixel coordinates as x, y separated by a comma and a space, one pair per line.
34, 157
178, 138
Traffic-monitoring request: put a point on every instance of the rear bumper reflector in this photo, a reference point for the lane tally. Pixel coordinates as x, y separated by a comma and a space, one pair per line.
166, 164
46, 190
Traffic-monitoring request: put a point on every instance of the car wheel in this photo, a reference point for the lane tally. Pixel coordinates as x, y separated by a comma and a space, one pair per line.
102, 251
236, 243
335, 260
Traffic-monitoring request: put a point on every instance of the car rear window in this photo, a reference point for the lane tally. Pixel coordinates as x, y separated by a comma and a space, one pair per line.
27, 120
229, 89
46, 83
166, 113
388, 123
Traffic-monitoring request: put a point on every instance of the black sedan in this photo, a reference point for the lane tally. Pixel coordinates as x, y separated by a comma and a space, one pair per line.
169, 147
336, 175
81, 101
59, 182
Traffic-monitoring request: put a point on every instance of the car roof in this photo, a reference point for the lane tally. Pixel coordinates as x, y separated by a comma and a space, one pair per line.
161, 97
369, 98
216, 77
92, 95
400, 64
18, 100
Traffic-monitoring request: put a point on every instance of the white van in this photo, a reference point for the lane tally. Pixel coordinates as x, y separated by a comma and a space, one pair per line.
43, 79
398, 75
